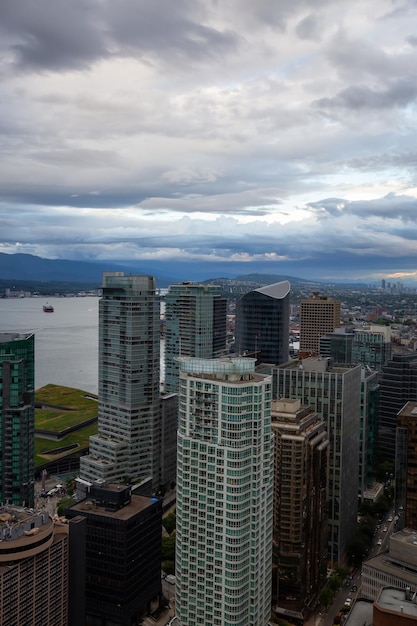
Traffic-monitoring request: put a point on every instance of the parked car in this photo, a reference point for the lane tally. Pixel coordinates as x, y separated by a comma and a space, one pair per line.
385, 529
379, 542
348, 602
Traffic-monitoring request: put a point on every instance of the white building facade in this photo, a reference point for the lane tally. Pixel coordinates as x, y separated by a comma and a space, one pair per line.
224, 494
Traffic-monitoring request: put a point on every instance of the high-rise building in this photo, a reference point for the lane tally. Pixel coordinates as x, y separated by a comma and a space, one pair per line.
262, 323
17, 425
318, 315
372, 347
335, 393
195, 326
300, 506
338, 344
123, 554
33, 568
368, 429
398, 385
224, 494
128, 440
406, 465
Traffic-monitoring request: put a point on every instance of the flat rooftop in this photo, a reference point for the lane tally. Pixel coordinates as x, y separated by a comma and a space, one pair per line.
132, 508
392, 599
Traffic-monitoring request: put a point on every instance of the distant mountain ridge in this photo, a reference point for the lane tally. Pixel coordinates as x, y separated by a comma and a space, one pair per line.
29, 268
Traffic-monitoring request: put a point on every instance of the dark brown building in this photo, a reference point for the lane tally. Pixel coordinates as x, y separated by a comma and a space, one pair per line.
406, 465
123, 554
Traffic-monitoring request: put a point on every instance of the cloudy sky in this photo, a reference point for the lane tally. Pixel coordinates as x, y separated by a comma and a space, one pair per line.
281, 134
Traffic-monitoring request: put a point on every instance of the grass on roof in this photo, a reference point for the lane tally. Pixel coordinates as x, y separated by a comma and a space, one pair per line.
80, 437
77, 407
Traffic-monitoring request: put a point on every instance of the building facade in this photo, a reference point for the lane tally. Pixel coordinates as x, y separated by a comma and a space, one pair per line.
33, 568
335, 393
127, 445
224, 494
318, 315
123, 554
406, 465
395, 568
17, 418
300, 506
262, 323
398, 385
195, 326
372, 347
368, 430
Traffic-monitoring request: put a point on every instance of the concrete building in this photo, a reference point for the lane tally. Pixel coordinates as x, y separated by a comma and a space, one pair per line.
406, 465
300, 507
224, 494
33, 568
398, 385
262, 323
392, 607
123, 554
128, 441
195, 326
318, 315
395, 568
17, 418
335, 393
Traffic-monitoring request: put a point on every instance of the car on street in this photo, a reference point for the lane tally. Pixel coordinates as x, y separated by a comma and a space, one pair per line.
353, 588
348, 602
389, 519
385, 529
379, 542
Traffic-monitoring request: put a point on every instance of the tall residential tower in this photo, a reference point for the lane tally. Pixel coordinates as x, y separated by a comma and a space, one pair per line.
127, 443
224, 494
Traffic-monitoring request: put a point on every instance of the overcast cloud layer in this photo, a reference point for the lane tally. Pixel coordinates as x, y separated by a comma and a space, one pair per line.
280, 134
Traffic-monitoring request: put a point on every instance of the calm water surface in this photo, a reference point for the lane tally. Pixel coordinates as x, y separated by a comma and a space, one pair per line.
66, 341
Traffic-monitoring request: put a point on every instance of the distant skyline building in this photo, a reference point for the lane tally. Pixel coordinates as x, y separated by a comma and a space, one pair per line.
128, 441
335, 393
17, 418
123, 554
262, 323
398, 385
300, 506
224, 494
319, 315
195, 326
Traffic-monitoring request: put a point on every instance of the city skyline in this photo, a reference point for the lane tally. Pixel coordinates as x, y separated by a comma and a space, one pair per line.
217, 133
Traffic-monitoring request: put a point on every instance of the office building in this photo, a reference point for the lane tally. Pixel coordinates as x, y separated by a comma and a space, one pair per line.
398, 385
335, 393
338, 344
195, 326
33, 568
168, 441
300, 507
406, 465
128, 440
372, 347
318, 315
396, 567
17, 418
368, 429
123, 554
262, 323
224, 494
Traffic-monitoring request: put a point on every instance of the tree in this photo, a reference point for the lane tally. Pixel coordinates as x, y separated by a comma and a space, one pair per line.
168, 548
169, 522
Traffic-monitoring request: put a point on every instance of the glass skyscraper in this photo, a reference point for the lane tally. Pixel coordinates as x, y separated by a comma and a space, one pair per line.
195, 326
17, 418
127, 443
224, 494
262, 323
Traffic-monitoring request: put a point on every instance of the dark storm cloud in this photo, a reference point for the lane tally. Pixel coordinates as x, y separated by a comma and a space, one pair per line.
356, 97
390, 206
63, 35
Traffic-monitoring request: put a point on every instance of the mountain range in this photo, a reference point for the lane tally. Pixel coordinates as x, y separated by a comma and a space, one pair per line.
24, 268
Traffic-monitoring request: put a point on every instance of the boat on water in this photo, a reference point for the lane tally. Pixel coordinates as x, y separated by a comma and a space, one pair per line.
48, 308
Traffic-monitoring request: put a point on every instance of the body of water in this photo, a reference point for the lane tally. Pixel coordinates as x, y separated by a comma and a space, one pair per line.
66, 341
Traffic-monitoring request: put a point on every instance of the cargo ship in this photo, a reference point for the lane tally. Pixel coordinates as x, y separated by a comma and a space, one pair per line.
48, 308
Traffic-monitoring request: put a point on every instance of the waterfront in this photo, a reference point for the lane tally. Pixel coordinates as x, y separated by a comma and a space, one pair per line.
66, 341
